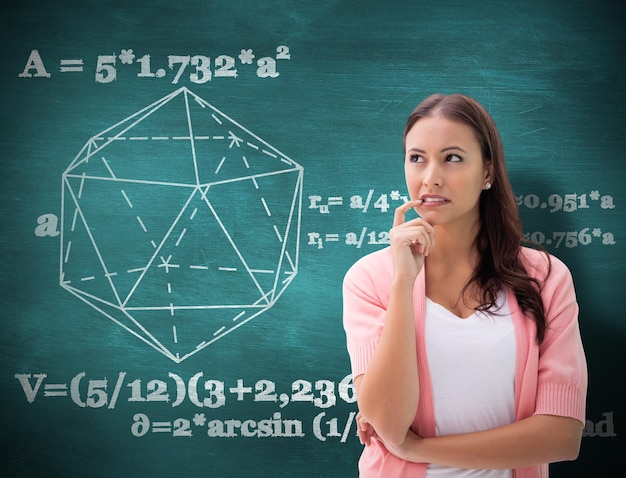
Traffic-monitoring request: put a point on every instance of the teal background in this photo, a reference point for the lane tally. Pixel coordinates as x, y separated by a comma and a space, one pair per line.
552, 75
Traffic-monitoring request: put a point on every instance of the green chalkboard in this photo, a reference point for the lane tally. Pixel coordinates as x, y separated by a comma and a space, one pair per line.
184, 186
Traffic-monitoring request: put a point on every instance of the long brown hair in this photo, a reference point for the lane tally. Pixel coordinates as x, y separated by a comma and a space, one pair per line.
500, 235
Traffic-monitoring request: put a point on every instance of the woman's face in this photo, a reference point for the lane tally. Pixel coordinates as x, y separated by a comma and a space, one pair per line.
444, 167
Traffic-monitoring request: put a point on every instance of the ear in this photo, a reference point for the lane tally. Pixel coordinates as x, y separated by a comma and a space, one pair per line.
489, 172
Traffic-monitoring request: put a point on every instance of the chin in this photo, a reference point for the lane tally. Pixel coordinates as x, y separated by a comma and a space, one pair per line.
431, 218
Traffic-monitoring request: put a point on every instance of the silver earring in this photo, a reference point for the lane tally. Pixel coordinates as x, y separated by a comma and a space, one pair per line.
488, 186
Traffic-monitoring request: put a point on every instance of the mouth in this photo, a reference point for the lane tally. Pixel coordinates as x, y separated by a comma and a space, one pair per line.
434, 200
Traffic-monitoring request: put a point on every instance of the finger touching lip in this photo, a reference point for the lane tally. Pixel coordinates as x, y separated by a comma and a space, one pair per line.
399, 215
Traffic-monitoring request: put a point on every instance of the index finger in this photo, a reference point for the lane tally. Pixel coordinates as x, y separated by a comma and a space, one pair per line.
399, 214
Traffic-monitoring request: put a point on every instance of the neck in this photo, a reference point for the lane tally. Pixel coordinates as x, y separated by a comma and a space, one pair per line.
455, 244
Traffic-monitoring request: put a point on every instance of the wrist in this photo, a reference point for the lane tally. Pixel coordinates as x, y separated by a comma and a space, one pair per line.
403, 283
413, 446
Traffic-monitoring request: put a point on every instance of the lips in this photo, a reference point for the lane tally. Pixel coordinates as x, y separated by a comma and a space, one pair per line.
433, 200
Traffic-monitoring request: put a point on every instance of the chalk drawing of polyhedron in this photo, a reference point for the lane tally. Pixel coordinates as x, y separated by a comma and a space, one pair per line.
179, 224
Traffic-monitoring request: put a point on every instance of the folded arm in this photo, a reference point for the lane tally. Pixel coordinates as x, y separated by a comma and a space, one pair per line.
532, 441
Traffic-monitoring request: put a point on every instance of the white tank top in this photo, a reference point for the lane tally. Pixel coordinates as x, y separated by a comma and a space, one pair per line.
472, 368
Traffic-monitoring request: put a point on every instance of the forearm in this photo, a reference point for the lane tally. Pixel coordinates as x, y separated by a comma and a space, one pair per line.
529, 442
388, 392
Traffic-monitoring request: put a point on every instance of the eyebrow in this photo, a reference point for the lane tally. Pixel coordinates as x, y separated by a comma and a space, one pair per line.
448, 148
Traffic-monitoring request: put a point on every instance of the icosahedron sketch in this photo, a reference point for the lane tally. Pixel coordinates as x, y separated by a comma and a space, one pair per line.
179, 224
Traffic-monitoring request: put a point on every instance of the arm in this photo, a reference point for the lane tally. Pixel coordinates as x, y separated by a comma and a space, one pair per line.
532, 441
388, 392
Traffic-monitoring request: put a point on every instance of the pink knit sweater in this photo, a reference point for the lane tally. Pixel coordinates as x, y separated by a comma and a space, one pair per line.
550, 379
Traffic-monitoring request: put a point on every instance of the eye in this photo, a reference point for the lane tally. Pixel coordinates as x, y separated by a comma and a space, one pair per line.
416, 158
453, 158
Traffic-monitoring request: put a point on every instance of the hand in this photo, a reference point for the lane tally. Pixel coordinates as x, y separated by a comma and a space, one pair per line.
406, 450
410, 241
365, 431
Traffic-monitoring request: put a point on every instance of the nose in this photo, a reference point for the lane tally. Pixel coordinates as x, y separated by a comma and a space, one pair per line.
433, 176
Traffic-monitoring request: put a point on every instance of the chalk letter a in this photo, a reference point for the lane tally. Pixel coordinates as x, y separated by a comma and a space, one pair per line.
34, 62
47, 226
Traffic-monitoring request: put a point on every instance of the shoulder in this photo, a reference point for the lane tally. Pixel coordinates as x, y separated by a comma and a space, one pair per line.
376, 266
555, 279
542, 265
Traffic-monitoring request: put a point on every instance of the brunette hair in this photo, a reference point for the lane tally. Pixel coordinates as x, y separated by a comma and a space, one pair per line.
500, 235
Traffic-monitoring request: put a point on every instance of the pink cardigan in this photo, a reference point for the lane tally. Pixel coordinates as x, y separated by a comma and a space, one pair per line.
550, 379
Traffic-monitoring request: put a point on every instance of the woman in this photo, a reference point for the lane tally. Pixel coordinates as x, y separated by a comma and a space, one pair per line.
464, 345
